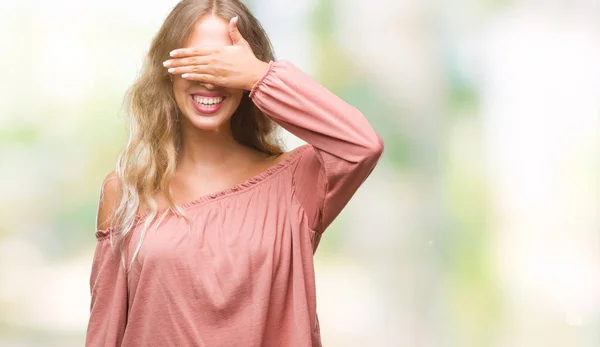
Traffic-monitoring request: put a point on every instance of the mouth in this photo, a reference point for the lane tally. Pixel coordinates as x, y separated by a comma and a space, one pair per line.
207, 104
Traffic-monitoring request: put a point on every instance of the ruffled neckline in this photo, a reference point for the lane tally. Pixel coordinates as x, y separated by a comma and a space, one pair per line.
239, 187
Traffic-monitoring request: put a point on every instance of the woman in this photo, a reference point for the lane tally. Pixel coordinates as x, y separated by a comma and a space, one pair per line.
207, 229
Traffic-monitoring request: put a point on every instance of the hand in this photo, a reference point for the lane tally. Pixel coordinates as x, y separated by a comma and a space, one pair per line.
233, 66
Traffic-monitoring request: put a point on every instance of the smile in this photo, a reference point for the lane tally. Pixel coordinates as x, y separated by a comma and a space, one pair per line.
205, 104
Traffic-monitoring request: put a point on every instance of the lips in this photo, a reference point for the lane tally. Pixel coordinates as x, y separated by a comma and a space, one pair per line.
207, 103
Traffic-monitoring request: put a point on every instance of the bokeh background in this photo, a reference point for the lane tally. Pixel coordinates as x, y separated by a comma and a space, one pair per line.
479, 228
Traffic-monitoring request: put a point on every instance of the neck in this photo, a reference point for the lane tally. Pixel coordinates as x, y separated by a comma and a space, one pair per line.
207, 150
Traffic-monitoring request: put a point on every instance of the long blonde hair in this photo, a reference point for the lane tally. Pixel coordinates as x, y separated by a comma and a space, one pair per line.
147, 163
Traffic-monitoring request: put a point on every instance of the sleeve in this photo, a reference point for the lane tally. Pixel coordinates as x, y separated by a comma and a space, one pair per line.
108, 286
343, 147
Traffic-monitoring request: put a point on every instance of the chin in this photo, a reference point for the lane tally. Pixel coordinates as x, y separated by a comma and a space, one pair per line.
209, 124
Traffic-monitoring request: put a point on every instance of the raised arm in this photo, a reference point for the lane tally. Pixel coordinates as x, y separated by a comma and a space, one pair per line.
344, 148
108, 281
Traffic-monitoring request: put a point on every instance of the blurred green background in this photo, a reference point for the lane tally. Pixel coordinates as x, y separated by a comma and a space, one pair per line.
479, 227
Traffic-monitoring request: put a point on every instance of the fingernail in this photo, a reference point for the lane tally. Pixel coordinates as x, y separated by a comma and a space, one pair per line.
185, 75
173, 53
171, 70
235, 19
167, 63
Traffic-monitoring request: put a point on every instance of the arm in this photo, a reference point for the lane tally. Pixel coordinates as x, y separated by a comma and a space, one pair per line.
344, 147
108, 281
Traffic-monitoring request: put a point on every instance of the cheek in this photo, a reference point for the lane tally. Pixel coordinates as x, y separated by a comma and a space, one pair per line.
180, 89
179, 85
235, 99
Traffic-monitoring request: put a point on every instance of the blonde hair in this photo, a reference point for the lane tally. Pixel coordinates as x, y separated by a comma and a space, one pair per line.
147, 163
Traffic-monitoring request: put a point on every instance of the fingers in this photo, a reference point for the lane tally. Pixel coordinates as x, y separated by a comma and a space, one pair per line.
196, 69
196, 60
193, 51
205, 78
234, 33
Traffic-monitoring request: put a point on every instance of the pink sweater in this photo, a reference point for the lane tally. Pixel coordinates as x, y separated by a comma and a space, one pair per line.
244, 276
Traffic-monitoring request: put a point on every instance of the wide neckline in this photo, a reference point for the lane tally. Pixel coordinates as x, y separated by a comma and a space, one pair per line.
237, 188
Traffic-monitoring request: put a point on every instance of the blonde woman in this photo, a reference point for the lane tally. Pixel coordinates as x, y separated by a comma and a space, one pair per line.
207, 228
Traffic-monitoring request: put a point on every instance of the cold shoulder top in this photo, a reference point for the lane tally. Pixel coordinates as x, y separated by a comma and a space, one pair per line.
242, 274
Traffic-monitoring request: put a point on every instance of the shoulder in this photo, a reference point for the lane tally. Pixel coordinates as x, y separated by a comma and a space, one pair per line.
109, 199
262, 162
295, 153
110, 183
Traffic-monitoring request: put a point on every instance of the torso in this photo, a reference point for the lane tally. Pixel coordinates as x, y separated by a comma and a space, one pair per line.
237, 272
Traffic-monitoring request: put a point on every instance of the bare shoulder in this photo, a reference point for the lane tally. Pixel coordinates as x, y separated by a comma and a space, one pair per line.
261, 162
286, 155
109, 198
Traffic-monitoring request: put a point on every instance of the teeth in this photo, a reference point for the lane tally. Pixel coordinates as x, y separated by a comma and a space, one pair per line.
207, 101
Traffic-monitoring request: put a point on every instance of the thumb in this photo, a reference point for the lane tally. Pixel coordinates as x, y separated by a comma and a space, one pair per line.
234, 33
